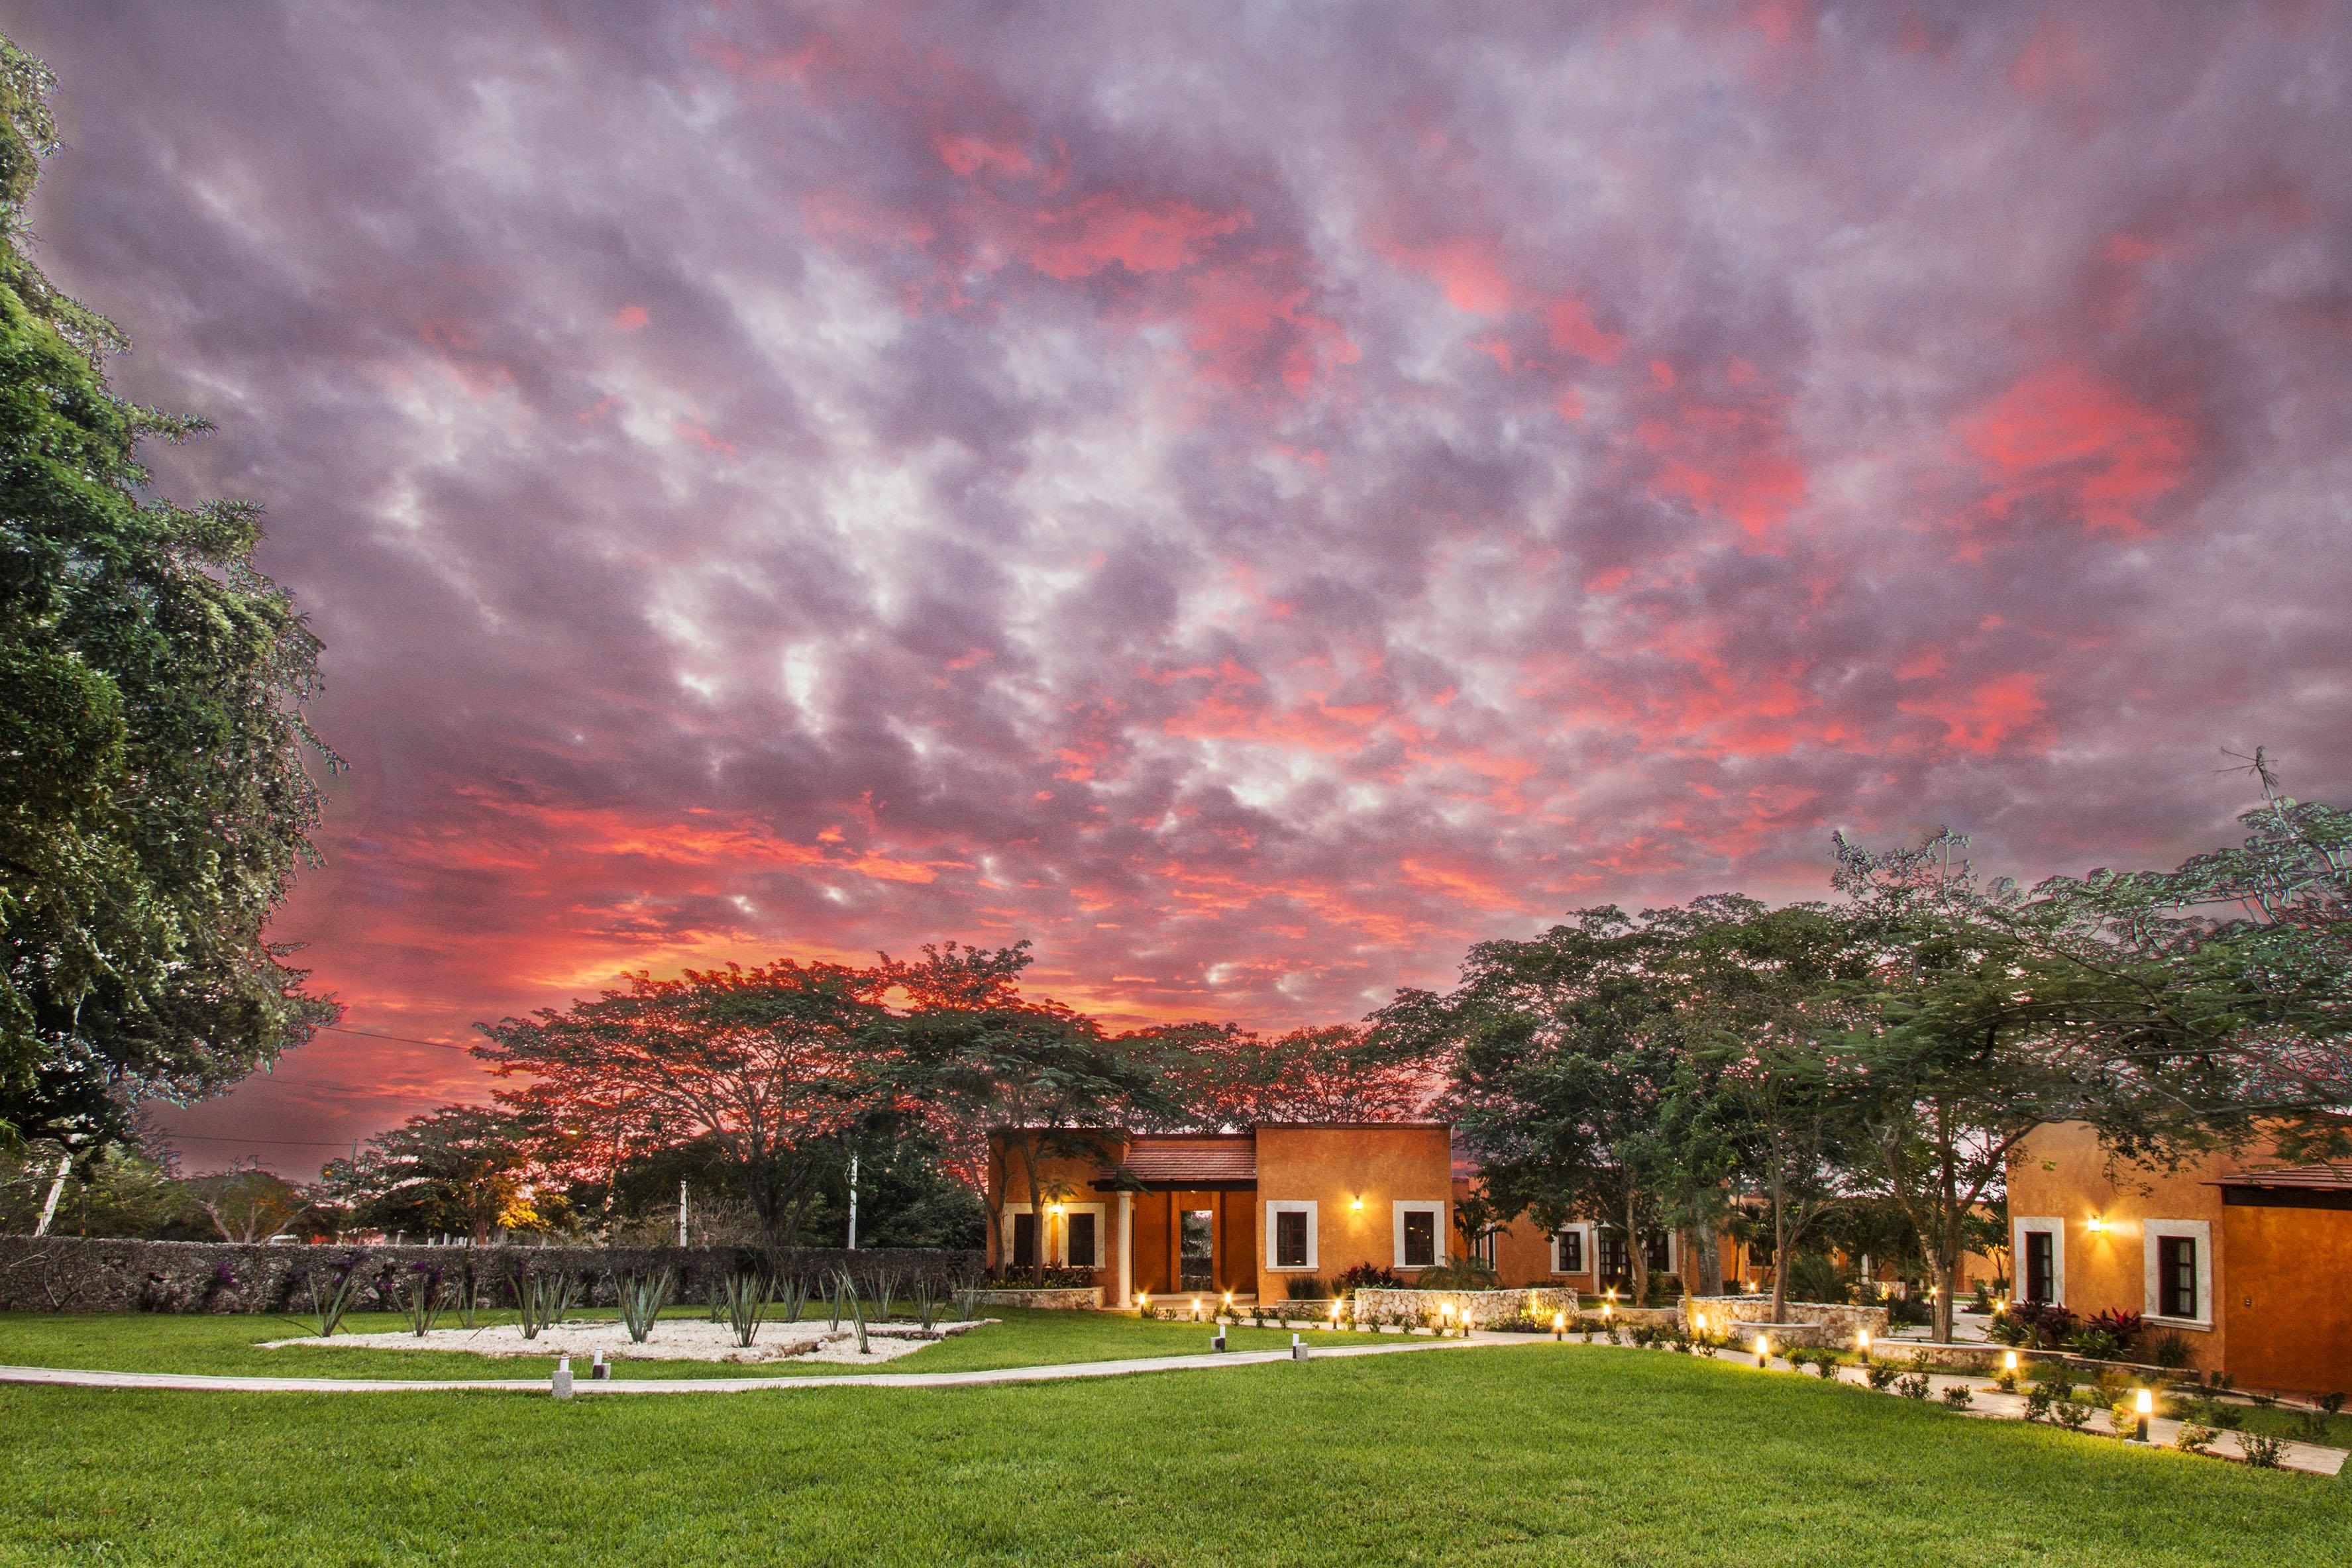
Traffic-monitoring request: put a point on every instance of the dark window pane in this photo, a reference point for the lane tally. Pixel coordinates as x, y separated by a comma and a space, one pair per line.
1082, 1241
1420, 1240
1290, 1241
1024, 1240
2177, 1275
1572, 1252
2040, 1267
1654, 1252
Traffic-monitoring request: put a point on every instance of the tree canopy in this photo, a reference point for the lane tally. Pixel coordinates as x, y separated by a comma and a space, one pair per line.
154, 797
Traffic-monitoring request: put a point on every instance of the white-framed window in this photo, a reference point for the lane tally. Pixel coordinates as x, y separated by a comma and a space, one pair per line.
1290, 1235
2178, 1271
1571, 1249
1079, 1244
1420, 1233
1017, 1245
2038, 1257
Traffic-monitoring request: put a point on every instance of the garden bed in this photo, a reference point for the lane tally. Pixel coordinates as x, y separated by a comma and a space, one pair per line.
681, 1339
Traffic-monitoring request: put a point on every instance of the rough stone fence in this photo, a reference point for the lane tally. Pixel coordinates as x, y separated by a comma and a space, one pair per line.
1825, 1324
1060, 1298
92, 1274
1416, 1308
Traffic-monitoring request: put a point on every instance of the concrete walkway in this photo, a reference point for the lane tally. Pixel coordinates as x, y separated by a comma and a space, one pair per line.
1318, 1350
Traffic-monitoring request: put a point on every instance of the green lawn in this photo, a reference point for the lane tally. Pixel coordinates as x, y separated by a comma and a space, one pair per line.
122, 1341
1535, 1455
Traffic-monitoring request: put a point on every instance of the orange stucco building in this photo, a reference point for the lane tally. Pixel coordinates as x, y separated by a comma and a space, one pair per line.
1245, 1212
2247, 1259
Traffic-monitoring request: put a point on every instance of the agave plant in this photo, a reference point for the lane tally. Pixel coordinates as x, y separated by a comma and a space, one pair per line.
332, 1291
927, 1304
745, 1297
543, 1298
845, 1295
795, 1289
421, 1298
967, 1302
642, 1294
886, 1285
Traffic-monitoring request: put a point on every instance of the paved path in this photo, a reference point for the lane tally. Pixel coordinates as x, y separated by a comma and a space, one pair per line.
1195, 1361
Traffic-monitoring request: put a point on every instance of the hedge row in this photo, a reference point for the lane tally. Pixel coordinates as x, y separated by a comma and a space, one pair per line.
88, 1274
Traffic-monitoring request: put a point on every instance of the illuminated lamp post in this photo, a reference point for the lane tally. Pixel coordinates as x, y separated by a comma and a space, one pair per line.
1763, 1351
1559, 1327
2143, 1406
1335, 1317
1196, 1308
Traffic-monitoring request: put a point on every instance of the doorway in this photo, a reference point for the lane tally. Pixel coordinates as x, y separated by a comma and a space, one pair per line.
1197, 1249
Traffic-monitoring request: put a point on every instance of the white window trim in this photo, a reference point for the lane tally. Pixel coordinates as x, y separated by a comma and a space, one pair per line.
2201, 1232
1005, 1242
2020, 1227
1402, 1207
1291, 1206
1062, 1242
1583, 1229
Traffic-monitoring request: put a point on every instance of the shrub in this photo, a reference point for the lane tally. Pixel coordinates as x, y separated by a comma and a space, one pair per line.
1459, 1274
1912, 1386
1881, 1375
2262, 1451
2125, 1325
421, 1298
2096, 1344
2170, 1350
1366, 1277
2332, 1403
1662, 1290
1909, 1312
2038, 1400
2193, 1438
1814, 1278
2041, 1323
332, 1292
543, 1298
2311, 1426
1305, 1287
1052, 1277
1959, 1396
2006, 1330
2071, 1414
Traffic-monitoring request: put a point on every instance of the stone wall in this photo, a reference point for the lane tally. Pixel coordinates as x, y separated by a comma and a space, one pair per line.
1069, 1298
1423, 1307
1837, 1322
90, 1274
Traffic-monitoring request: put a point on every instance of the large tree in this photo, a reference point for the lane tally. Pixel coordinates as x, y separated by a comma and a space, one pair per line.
1985, 1015
1220, 1077
463, 1169
1563, 1051
154, 801
769, 1069
1759, 989
1004, 1082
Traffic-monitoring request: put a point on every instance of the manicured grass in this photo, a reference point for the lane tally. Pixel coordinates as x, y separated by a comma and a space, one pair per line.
1540, 1453
131, 1342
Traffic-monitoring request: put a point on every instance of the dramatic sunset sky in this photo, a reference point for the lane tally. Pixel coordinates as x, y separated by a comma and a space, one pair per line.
1254, 498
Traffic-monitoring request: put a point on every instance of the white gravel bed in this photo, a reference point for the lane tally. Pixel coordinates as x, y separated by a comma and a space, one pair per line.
673, 1339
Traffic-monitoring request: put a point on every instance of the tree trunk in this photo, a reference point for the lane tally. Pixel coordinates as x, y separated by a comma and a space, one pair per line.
1948, 1271
57, 1188
1637, 1256
1707, 1278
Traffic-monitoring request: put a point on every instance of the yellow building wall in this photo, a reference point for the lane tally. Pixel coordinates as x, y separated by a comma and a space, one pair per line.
2286, 1302
1338, 1166
2059, 1172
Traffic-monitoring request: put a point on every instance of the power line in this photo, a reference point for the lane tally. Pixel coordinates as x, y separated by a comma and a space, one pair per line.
404, 1039
224, 1138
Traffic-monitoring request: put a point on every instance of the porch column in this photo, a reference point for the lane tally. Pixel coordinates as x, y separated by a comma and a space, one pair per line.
1126, 1250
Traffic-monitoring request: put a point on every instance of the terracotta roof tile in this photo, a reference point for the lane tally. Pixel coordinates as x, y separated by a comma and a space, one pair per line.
2325, 1179
1157, 1156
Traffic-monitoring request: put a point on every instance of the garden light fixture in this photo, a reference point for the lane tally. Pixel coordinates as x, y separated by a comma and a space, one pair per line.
2143, 1406
1862, 1343
1763, 1351
1196, 1308
2008, 1361
1558, 1325
1055, 1209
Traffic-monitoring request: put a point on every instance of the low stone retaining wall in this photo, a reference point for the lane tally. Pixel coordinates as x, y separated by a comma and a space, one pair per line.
1836, 1322
91, 1274
1478, 1307
1059, 1299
